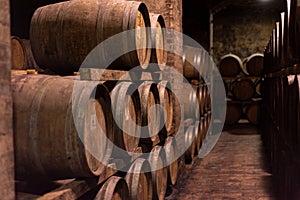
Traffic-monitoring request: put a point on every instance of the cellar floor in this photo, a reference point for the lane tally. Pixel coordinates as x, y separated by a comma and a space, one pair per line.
235, 169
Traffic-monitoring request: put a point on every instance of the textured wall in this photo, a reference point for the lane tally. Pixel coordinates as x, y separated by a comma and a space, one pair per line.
242, 31
6, 134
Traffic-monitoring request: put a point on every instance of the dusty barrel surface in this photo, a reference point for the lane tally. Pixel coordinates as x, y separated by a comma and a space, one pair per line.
166, 101
191, 62
150, 116
172, 162
46, 133
126, 109
139, 180
158, 38
253, 112
63, 34
157, 160
230, 65
190, 144
243, 89
234, 113
115, 188
21, 53
190, 101
255, 64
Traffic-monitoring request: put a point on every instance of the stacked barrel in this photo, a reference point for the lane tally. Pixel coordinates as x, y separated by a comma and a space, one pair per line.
70, 128
281, 100
196, 99
242, 84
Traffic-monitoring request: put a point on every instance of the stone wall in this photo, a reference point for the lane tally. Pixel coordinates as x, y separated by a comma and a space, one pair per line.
242, 31
6, 130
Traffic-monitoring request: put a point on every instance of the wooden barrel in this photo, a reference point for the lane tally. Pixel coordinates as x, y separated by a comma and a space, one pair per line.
234, 113
21, 54
63, 34
252, 112
150, 117
230, 65
139, 180
190, 101
170, 149
198, 137
207, 106
202, 130
115, 188
191, 62
158, 38
46, 139
202, 99
166, 101
243, 89
126, 110
255, 64
190, 143
157, 159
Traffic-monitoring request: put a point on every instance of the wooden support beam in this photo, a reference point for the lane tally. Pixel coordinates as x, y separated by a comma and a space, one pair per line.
6, 123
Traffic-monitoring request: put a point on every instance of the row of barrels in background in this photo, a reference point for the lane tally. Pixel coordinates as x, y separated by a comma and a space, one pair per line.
231, 65
60, 43
242, 82
280, 115
242, 88
237, 111
283, 49
281, 131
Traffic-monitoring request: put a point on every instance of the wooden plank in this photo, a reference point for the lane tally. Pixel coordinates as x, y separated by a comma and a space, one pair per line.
77, 187
25, 196
94, 74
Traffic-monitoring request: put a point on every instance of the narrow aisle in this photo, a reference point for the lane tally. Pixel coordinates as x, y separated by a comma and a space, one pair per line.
235, 169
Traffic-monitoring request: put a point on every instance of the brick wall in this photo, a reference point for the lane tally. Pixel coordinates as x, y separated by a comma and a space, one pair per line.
6, 134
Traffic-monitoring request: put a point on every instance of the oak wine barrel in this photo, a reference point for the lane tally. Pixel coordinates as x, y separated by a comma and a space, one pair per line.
158, 38
252, 112
230, 65
243, 89
190, 144
234, 113
126, 110
170, 149
139, 180
255, 64
190, 101
201, 99
166, 97
46, 139
115, 188
157, 160
191, 62
150, 116
21, 54
63, 34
